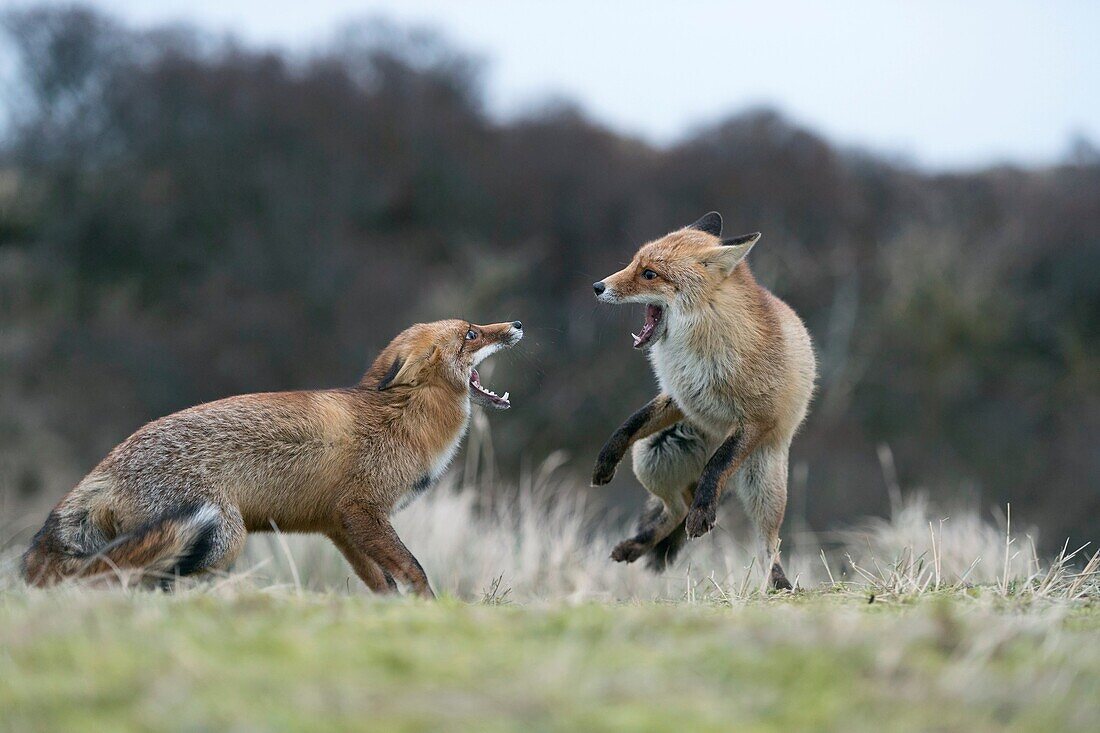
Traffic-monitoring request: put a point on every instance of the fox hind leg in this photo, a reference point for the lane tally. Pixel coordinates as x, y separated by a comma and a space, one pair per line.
658, 522
667, 464
762, 488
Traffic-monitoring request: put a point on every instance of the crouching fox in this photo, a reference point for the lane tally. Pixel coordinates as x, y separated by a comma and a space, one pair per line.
736, 371
179, 495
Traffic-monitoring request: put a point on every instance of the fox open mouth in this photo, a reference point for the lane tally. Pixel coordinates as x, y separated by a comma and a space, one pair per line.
485, 396
653, 315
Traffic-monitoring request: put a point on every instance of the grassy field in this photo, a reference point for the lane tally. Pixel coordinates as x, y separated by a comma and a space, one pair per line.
80, 660
923, 621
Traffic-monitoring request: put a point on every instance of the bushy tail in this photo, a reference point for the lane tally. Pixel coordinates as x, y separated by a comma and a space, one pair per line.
175, 544
664, 552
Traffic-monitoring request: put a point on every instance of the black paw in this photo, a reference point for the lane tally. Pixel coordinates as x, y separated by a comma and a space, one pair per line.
700, 520
628, 551
779, 580
603, 473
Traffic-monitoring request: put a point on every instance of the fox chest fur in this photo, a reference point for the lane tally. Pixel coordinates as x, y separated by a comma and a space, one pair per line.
418, 452
440, 462
715, 372
697, 382
435, 466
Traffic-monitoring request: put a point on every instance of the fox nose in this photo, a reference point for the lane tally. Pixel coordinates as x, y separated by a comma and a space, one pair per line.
599, 287
518, 325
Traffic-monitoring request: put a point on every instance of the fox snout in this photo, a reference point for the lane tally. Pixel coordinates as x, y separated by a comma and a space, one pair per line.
491, 339
500, 335
638, 284
514, 334
606, 294
621, 287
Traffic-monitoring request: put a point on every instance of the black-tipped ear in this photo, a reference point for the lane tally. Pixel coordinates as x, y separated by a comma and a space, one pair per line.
390, 375
743, 239
710, 223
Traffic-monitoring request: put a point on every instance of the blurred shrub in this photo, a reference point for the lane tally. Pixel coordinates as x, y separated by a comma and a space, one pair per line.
183, 218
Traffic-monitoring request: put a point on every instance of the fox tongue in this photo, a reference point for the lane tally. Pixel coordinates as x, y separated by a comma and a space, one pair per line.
652, 315
483, 393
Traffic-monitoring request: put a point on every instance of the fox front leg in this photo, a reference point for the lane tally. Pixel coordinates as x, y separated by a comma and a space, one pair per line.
658, 414
725, 461
369, 530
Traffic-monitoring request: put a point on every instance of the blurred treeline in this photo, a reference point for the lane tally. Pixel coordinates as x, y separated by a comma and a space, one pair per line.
183, 218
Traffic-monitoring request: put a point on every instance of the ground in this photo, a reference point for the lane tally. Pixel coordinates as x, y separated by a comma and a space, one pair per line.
202, 659
927, 620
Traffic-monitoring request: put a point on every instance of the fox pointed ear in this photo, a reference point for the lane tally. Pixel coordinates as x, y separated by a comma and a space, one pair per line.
391, 375
710, 223
731, 252
749, 239
404, 371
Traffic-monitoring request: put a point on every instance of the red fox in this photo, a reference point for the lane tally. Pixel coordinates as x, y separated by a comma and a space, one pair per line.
736, 370
179, 495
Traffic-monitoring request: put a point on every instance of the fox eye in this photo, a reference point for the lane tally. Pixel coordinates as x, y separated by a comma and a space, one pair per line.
648, 274
471, 335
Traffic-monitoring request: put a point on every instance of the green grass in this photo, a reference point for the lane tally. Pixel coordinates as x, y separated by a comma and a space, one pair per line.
970, 630
75, 659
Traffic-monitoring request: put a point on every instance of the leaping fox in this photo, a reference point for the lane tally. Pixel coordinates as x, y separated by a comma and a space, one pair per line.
736, 370
180, 494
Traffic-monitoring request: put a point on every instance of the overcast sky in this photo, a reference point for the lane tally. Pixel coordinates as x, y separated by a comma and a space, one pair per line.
944, 84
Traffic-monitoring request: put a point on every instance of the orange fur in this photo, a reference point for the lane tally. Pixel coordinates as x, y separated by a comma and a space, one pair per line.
333, 461
734, 362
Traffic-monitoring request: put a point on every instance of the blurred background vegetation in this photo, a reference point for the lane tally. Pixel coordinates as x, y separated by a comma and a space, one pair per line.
183, 217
